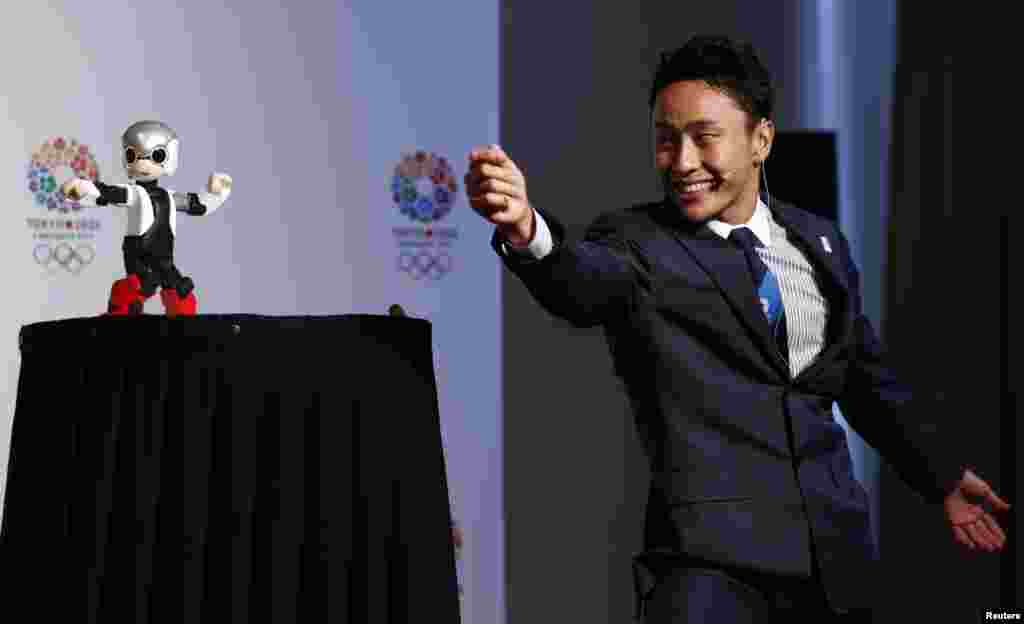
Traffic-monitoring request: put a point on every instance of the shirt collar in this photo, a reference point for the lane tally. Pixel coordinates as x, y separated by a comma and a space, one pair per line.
759, 224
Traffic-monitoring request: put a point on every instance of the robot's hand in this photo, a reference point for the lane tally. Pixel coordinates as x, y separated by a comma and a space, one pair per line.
74, 189
219, 183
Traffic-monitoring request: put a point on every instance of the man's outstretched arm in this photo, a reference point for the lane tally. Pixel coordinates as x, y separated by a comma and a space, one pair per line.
906, 431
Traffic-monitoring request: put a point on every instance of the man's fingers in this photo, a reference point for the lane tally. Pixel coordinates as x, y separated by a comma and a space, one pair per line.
478, 152
480, 174
487, 170
492, 154
998, 502
495, 186
990, 537
475, 188
976, 537
979, 534
495, 207
492, 185
487, 178
994, 528
488, 152
491, 202
962, 537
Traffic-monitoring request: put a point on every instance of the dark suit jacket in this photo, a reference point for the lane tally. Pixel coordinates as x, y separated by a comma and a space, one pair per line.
747, 463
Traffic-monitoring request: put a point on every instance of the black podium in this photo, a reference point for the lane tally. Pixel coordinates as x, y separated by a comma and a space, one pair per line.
228, 468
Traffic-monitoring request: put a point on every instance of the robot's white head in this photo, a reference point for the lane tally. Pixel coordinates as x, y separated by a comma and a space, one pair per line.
149, 149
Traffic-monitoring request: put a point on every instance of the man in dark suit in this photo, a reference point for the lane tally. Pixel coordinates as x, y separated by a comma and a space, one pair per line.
735, 322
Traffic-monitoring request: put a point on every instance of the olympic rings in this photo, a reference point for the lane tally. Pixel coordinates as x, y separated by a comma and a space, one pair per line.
424, 263
73, 259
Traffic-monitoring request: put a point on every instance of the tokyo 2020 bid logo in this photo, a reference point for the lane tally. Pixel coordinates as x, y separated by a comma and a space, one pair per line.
423, 188
62, 237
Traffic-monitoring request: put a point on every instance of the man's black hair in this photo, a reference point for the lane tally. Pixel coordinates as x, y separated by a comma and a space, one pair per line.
725, 64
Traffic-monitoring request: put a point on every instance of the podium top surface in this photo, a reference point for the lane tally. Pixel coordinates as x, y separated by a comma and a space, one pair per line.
160, 331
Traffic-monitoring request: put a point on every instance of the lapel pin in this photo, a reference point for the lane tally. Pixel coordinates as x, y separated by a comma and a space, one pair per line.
824, 243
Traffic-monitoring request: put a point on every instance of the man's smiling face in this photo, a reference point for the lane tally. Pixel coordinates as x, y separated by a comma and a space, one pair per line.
705, 150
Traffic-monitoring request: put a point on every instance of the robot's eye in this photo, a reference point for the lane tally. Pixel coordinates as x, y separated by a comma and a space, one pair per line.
159, 155
129, 155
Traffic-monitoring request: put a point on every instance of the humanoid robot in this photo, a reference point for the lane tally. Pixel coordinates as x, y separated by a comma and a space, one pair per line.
150, 151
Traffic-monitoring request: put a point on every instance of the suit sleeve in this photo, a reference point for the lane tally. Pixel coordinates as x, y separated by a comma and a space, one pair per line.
589, 282
901, 425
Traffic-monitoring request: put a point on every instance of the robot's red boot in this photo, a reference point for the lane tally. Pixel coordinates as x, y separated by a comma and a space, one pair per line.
126, 298
178, 306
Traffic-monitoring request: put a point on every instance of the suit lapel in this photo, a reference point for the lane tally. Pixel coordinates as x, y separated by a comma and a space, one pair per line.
727, 266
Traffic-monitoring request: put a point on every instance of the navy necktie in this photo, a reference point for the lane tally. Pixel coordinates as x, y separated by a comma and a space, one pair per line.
766, 285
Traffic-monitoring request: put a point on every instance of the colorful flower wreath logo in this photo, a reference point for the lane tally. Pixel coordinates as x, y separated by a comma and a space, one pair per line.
46, 161
423, 186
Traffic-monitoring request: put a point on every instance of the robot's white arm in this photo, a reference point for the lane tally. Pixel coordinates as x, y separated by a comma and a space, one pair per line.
205, 202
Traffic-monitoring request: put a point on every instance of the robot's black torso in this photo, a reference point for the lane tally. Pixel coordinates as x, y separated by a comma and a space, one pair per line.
158, 240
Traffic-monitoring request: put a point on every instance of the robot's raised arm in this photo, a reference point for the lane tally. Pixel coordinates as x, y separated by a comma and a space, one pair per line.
189, 203
198, 204
205, 202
